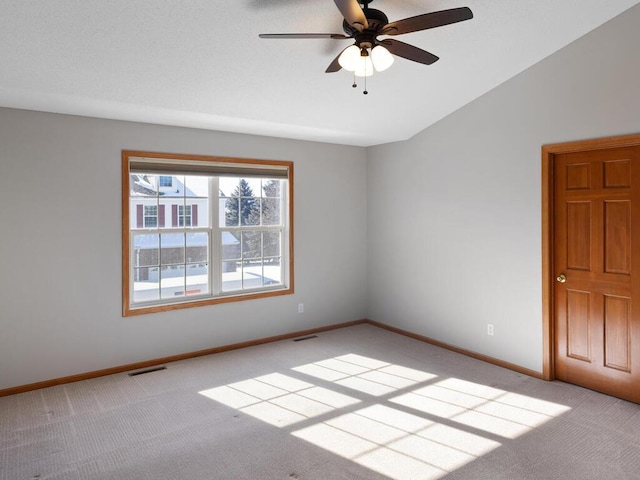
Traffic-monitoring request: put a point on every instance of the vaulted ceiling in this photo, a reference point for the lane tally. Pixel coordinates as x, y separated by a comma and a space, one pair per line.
200, 63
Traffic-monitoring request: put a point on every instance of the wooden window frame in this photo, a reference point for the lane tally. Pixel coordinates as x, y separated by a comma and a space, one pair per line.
199, 162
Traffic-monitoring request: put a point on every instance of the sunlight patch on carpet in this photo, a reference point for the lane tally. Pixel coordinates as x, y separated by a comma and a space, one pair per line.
397, 421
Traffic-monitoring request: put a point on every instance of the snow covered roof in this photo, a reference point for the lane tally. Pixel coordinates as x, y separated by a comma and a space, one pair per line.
175, 240
143, 185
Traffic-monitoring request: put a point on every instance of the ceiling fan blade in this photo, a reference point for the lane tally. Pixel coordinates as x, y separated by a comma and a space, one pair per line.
353, 13
427, 20
335, 66
337, 36
409, 52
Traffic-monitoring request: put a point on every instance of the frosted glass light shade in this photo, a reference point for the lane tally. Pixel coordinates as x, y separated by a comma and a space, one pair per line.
381, 58
364, 67
349, 58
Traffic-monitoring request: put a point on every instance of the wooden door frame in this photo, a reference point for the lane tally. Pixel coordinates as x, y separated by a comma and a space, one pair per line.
549, 153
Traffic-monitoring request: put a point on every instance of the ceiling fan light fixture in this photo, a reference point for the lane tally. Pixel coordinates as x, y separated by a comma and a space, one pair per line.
350, 58
381, 58
364, 67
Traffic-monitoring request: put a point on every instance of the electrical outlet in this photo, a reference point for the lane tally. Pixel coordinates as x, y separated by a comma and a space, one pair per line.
301, 308
490, 329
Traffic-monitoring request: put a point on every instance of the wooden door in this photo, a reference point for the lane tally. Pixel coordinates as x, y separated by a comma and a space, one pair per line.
597, 269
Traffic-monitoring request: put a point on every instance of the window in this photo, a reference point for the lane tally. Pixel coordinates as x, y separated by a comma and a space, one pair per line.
227, 234
184, 215
165, 181
150, 216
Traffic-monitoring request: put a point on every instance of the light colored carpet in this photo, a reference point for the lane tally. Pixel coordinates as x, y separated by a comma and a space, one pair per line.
353, 403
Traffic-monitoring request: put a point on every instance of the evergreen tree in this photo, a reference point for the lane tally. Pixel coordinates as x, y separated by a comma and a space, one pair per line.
271, 188
271, 216
242, 207
271, 203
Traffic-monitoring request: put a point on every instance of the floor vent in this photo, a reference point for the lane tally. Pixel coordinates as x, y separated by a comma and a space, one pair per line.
148, 370
305, 338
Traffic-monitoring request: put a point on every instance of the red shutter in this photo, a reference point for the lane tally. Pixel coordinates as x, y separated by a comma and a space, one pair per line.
161, 216
140, 216
174, 215
194, 215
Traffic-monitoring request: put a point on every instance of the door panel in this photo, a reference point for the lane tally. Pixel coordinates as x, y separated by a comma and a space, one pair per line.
617, 173
617, 333
579, 235
597, 311
617, 237
578, 176
578, 313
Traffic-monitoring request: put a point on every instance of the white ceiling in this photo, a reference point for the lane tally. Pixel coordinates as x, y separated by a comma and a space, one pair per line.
200, 63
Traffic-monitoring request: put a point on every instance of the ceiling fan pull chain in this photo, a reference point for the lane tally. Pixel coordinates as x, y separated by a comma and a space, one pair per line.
354, 80
364, 92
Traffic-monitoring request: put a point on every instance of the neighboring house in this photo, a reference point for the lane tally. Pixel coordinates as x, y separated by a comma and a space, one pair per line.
165, 202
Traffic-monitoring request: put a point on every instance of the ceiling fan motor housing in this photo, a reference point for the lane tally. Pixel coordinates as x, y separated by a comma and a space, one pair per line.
376, 19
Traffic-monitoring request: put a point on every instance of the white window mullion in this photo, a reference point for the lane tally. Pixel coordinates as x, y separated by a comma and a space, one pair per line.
284, 235
160, 265
132, 263
215, 252
184, 262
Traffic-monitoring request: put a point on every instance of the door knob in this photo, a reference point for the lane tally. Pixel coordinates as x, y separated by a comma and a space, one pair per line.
561, 278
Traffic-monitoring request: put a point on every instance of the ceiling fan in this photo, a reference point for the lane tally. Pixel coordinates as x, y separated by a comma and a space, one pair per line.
364, 25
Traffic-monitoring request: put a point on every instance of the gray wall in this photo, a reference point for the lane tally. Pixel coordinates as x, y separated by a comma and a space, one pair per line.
452, 218
60, 276
454, 213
